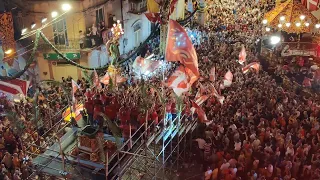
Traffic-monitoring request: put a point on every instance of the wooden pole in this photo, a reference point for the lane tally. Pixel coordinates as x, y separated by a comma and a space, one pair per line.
107, 165
62, 156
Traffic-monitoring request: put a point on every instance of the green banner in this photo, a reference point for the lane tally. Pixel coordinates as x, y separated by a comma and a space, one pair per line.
53, 56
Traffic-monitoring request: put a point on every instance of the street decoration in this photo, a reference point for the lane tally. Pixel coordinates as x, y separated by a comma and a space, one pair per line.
7, 36
291, 17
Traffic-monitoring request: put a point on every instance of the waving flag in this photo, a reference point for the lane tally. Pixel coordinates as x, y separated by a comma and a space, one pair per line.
212, 74
242, 55
253, 65
217, 95
181, 80
200, 112
96, 82
180, 48
228, 77
199, 100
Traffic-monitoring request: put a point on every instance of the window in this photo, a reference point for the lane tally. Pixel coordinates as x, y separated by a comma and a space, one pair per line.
99, 15
137, 31
133, 6
60, 32
137, 38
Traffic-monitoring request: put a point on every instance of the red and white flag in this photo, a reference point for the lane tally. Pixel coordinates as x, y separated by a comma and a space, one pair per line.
253, 65
311, 5
228, 77
242, 55
200, 112
217, 95
212, 74
180, 48
96, 82
181, 80
199, 100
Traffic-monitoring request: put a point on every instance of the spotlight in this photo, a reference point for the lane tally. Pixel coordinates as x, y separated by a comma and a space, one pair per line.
24, 30
282, 18
288, 24
9, 51
274, 40
302, 17
44, 20
66, 7
264, 21
54, 14
33, 25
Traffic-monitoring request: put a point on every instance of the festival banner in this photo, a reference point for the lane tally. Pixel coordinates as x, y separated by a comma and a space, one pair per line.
180, 48
153, 6
217, 95
7, 36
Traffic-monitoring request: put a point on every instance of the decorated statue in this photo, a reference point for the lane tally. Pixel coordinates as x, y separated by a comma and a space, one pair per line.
113, 43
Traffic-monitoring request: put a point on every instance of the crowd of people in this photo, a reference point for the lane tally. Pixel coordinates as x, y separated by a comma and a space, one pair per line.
261, 130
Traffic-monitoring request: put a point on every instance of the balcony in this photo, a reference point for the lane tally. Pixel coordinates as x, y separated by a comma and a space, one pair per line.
71, 45
137, 6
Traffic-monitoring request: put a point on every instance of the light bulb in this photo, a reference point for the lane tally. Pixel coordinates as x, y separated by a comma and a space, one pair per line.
66, 7
54, 14
307, 24
114, 25
33, 25
317, 26
9, 51
118, 21
302, 17
267, 29
44, 20
288, 24
298, 24
282, 18
279, 25
265, 21
24, 30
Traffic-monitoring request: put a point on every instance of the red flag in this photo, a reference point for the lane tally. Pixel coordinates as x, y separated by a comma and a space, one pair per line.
95, 80
242, 55
253, 65
212, 74
180, 48
153, 17
172, 5
311, 5
201, 114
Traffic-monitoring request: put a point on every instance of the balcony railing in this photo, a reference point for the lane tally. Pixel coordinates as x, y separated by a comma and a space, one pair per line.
137, 7
71, 45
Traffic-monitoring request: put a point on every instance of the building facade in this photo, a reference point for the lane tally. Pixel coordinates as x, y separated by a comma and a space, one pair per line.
80, 34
